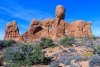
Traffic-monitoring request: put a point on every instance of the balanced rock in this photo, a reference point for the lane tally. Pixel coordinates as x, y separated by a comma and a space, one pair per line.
60, 12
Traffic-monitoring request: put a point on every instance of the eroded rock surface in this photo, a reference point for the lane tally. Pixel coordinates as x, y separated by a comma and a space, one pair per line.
12, 31
79, 28
51, 28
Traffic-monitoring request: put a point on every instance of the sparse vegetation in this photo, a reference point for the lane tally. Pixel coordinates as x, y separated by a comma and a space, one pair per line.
78, 58
94, 61
6, 43
25, 55
97, 49
46, 42
28, 55
64, 51
67, 41
38, 56
54, 64
72, 50
20, 55
66, 60
87, 54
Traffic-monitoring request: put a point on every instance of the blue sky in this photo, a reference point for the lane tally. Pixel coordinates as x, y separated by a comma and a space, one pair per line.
23, 11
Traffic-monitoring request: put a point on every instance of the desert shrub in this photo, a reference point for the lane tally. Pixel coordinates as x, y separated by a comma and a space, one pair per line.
25, 55
67, 41
72, 50
6, 43
1, 44
86, 41
90, 38
78, 58
77, 43
19, 55
94, 61
38, 55
9, 42
85, 58
97, 49
46, 42
64, 51
66, 60
62, 60
54, 64
87, 54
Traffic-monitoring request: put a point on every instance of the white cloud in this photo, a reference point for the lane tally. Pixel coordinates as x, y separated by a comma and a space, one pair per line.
17, 11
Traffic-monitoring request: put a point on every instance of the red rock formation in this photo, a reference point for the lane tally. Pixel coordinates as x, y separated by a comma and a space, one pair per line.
79, 28
60, 12
54, 29
12, 31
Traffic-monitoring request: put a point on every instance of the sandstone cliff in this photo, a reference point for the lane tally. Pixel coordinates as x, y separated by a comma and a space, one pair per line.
54, 29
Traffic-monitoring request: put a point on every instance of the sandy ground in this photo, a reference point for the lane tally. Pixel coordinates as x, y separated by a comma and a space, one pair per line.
57, 49
51, 51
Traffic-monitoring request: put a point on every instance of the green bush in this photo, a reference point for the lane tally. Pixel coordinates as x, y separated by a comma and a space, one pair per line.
6, 43
90, 38
87, 54
38, 56
25, 55
20, 55
67, 41
46, 42
97, 48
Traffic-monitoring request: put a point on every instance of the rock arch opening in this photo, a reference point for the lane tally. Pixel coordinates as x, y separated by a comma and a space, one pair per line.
37, 29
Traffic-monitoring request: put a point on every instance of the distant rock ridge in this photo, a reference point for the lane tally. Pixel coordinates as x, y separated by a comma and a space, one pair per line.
54, 29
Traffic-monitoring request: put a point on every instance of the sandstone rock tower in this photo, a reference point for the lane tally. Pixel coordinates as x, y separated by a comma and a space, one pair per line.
12, 31
60, 12
51, 28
